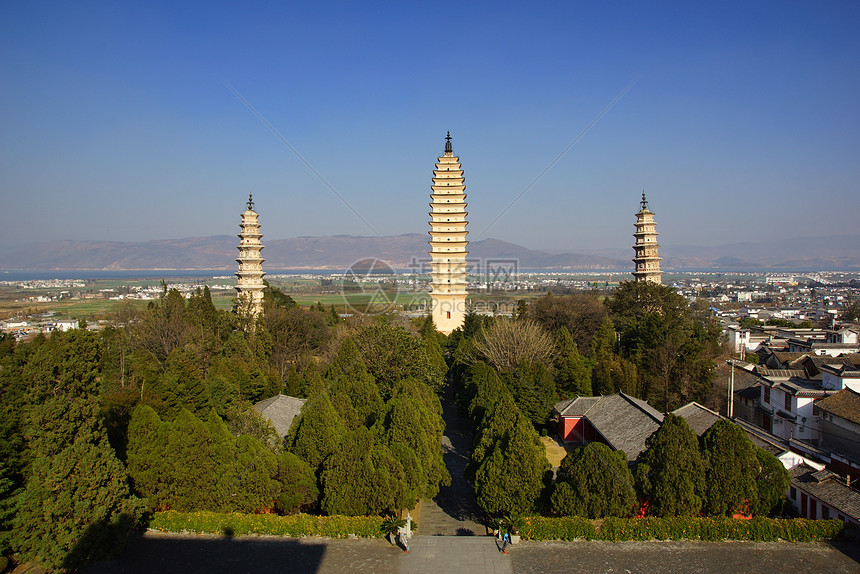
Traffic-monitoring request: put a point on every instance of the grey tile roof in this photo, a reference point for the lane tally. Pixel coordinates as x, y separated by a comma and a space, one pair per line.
576, 407
280, 410
844, 404
623, 421
826, 487
763, 439
699, 418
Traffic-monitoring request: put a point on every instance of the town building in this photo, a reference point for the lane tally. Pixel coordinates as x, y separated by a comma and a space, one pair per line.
820, 494
250, 275
448, 242
646, 258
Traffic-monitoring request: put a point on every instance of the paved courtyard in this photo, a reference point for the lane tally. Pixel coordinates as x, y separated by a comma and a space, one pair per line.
160, 553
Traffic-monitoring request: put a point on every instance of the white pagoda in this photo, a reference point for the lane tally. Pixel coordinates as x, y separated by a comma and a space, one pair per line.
250, 284
646, 259
448, 242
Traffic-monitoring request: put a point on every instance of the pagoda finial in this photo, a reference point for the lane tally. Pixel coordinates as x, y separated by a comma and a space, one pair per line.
448, 148
250, 201
644, 201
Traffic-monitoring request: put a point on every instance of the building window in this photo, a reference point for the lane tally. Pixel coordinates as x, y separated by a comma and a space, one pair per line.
793, 493
447, 314
787, 402
766, 394
815, 411
825, 512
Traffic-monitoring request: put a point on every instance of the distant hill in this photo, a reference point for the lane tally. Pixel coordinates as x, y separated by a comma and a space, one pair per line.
341, 251
328, 252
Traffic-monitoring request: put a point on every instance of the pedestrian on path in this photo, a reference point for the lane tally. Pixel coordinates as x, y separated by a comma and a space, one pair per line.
505, 540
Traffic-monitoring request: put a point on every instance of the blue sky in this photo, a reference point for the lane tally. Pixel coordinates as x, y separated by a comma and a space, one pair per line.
741, 121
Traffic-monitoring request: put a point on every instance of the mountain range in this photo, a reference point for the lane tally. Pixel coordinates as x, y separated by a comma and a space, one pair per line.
341, 251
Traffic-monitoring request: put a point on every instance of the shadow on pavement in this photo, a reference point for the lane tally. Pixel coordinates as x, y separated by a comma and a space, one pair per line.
213, 555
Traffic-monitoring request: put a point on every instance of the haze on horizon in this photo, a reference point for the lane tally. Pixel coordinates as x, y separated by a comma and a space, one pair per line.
740, 120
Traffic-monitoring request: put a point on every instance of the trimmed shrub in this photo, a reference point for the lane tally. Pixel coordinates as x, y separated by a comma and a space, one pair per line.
296, 525
613, 529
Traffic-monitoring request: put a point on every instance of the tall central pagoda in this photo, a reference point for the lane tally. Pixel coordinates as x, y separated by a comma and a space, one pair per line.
448, 242
250, 275
647, 261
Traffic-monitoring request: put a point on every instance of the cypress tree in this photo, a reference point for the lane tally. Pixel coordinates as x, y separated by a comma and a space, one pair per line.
670, 472
298, 490
772, 483
408, 421
594, 481
509, 480
573, 372
191, 477
731, 467
318, 431
353, 390
145, 453
364, 478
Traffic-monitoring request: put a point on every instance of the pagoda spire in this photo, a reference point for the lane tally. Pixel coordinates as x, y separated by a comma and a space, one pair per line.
448, 242
250, 201
644, 203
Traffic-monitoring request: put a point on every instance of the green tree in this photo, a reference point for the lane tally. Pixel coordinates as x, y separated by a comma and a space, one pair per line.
392, 353
408, 421
671, 342
593, 481
731, 467
573, 371
299, 492
363, 478
670, 472
581, 314
510, 478
352, 388
76, 504
533, 388
147, 467
318, 431
772, 483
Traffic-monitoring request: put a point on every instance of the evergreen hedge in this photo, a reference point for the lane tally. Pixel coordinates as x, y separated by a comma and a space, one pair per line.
296, 525
758, 529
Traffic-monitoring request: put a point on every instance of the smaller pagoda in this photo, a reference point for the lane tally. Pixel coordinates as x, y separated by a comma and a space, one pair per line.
250, 284
647, 261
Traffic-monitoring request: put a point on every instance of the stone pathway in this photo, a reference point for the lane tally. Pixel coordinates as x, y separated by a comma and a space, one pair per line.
454, 555
454, 511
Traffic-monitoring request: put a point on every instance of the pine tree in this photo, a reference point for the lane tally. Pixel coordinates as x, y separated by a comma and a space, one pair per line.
670, 472
594, 481
731, 467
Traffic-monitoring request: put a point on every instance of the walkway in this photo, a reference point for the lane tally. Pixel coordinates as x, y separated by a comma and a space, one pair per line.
454, 555
454, 511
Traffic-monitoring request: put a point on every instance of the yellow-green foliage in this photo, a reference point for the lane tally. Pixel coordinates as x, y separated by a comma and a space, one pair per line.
758, 529
296, 525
